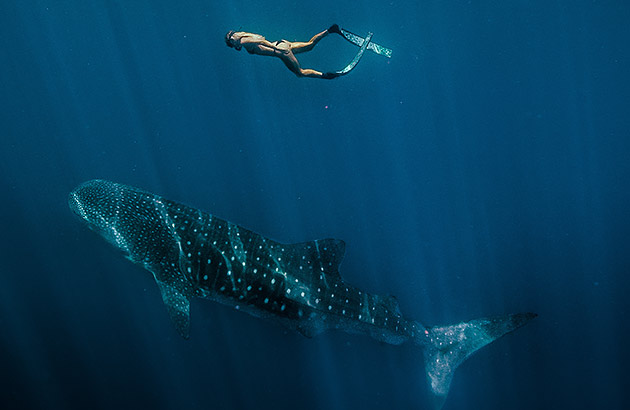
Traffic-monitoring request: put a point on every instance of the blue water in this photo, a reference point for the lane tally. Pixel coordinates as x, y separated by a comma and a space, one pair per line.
482, 170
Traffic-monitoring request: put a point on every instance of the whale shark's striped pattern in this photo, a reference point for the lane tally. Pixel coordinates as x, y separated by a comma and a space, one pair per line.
195, 254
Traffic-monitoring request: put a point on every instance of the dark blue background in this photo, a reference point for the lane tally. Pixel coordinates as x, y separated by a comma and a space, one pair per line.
482, 170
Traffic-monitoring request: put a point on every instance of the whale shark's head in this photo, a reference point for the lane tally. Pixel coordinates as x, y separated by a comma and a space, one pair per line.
95, 202
98, 203
123, 215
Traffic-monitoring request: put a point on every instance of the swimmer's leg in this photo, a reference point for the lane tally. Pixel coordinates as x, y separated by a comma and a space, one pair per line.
301, 47
294, 65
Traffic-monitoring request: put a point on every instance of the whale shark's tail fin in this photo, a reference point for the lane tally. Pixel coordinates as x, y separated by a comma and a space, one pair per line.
446, 347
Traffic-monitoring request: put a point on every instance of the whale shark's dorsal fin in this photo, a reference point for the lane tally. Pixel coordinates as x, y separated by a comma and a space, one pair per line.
392, 304
322, 255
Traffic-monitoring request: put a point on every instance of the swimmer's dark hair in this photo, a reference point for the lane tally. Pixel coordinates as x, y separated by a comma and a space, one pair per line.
228, 42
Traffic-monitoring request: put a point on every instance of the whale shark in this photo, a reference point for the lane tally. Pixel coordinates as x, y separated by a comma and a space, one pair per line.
192, 253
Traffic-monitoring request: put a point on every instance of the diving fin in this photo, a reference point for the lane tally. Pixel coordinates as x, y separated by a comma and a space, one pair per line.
356, 58
335, 29
358, 41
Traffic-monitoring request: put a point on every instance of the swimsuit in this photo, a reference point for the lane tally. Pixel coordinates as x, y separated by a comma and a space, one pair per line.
286, 49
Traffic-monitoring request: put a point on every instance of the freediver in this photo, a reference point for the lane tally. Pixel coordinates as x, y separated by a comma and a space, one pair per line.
283, 49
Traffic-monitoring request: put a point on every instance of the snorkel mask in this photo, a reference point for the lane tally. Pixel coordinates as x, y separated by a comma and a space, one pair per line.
231, 43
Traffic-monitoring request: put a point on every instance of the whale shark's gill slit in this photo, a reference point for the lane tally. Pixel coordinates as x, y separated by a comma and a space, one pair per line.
113, 236
228, 267
236, 244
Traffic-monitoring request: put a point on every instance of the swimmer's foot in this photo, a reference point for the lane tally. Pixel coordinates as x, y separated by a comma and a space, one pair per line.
330, 76
334, 29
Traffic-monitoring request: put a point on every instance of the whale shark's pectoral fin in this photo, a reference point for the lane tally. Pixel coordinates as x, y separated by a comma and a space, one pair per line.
178, 307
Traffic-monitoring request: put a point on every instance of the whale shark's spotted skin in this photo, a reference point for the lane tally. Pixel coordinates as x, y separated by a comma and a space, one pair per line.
192, 253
